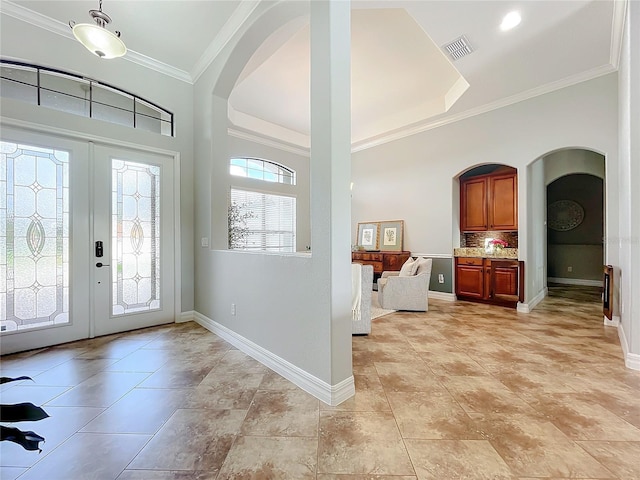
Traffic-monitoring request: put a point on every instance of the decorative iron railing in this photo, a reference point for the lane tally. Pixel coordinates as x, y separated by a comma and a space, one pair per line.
68, 92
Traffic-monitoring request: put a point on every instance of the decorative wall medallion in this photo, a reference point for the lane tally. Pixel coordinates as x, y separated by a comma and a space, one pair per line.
564, 215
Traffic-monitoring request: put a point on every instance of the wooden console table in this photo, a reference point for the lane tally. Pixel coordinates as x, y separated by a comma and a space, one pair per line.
381, 261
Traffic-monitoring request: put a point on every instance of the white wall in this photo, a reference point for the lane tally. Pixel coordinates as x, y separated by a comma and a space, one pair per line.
536, 269
627, 273
566, 162
52, 50
296, 307
414, 178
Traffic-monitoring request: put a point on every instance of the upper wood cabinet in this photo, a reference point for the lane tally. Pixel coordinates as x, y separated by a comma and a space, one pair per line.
489, 202
503, 202
473, 204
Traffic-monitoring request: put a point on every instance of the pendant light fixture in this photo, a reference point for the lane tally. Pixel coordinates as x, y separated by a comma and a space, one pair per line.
96, 38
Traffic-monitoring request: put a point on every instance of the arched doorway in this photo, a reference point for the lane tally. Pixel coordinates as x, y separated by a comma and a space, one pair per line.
575, 221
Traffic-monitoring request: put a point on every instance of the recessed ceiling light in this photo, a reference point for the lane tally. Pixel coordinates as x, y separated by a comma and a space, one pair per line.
510, 21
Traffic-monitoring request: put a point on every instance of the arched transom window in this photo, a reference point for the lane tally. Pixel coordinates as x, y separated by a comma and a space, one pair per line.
262, 170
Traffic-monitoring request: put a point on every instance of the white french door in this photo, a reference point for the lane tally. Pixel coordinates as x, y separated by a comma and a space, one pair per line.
133, 226
60, 196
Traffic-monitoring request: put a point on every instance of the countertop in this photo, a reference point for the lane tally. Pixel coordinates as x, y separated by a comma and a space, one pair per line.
510, 253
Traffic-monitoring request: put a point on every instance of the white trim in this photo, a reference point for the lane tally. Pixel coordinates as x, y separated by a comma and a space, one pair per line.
158, 66
240, 15
420, 127
329, 394
432, 255
184, 317
244, 122
631, 360
447, 297
268, 142
59, 28
73, 134
534, 92
575, 281
527, 307
614, 322
617, 31
177, 238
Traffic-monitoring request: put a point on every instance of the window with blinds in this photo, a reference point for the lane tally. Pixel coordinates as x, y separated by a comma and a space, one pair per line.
262, 221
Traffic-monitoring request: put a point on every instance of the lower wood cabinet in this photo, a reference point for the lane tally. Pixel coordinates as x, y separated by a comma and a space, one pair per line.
497, 281
470, 277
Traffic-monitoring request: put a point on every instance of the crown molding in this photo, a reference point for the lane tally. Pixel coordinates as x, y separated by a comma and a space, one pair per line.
158, 66
226, 33
36, 19
267, 142
617, 31
425, 126
54, 26
505, 102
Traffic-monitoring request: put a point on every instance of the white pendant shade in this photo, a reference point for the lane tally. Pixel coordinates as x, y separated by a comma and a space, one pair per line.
99, 40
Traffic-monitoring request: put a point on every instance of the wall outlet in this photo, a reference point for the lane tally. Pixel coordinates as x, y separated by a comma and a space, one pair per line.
233, 309
569, 269
204, 242
440, 278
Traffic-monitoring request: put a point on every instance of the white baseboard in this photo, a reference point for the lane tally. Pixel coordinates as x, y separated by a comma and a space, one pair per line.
186, 317
614, 322
631, 360
575, 281
531, 304
449, 297
329, 394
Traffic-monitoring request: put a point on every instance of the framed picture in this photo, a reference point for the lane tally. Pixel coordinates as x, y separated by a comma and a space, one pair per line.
368, 235
391, 235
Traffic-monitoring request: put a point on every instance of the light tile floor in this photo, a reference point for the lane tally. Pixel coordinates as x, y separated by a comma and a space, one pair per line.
464, 391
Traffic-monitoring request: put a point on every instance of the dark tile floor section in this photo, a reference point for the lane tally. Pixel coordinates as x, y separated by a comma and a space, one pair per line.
464, 391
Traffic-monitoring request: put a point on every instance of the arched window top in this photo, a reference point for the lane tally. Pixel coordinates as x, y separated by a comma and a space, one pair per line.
264, 170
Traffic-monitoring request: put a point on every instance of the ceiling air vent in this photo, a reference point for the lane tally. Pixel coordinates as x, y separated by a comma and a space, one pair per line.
458, 48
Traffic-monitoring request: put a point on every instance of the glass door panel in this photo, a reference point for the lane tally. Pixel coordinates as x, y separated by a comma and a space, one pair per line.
43, 212
133, 218
135, 193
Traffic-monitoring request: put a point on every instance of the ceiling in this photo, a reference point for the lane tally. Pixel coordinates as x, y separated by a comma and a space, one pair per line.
402, 81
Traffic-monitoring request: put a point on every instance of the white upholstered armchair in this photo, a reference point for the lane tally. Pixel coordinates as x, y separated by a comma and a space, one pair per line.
407, 289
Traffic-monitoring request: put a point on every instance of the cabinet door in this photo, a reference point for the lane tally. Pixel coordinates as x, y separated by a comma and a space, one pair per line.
470, 281
504, 280
503, 202
473, 205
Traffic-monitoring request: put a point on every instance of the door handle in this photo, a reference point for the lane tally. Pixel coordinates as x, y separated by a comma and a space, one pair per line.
100, 265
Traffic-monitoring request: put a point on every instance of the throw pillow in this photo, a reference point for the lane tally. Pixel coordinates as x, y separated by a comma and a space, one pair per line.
409, 268
424, 265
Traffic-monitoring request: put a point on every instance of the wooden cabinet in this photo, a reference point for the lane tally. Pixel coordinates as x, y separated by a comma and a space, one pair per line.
470, 280
504, 279
381, 261
497, 281
503, 202
489, 202
473, 205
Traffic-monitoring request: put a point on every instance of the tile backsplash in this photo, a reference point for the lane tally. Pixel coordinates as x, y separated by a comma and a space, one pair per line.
476, 239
